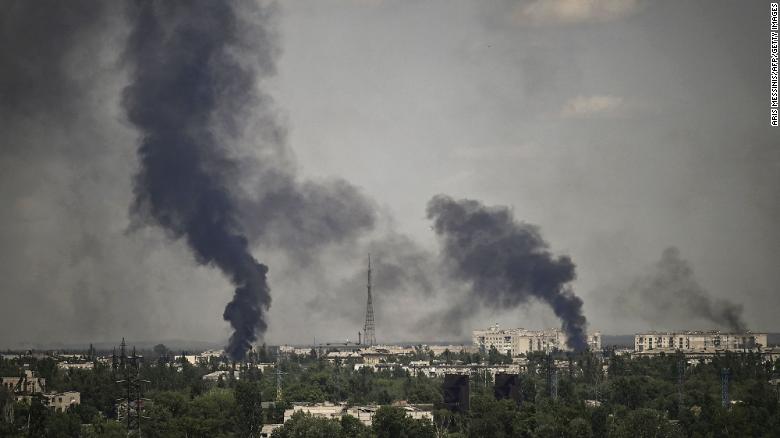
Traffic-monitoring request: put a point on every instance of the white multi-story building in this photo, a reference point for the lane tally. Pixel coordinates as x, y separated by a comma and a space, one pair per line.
698, 341
517, 341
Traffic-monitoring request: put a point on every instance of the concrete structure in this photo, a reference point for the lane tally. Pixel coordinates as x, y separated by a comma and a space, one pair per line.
438, 350
215, 376
75, 366
698, 341
319, 410
27, 383
517, 341
201, 358
373, 357
363, 413
61, 401
343, 357
268, 430
473, 369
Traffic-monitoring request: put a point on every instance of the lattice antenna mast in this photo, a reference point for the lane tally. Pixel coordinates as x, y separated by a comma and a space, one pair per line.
369, 334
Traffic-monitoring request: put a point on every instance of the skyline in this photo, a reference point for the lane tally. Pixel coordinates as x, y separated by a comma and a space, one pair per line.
631, 136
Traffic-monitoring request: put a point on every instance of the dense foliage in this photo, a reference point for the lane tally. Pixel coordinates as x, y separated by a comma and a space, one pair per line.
594, 396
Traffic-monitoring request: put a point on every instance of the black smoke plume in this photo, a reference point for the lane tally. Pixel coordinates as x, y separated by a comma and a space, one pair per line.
188, 89
506, 262
670, 291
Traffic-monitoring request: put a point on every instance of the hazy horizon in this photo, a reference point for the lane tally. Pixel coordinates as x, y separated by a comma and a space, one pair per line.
627, 136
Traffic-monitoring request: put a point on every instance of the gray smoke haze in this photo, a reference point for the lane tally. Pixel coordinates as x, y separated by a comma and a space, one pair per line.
604, 118
669, 291
186, 77
196, 65
301, 217
404, 275
508, 263
37, 77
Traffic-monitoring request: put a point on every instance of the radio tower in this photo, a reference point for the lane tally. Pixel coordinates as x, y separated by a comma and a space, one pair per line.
369, 336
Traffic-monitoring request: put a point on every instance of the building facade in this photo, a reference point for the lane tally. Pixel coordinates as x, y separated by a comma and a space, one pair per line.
61, 401
27, 383
693, 341
517, 341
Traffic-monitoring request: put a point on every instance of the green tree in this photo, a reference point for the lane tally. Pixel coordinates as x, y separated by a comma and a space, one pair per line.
392, 422
304, 425
579, 428
352, 427
644, 423
250, 411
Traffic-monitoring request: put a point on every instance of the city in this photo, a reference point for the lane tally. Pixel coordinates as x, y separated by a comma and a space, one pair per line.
352, 389
389, 219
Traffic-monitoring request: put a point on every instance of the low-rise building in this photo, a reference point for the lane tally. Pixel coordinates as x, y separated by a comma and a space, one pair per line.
343, 356
61, 401
216, 375
363, 413
319, 410
75, 365
268, 429
27, 383
438, 350
375, 356
440, 370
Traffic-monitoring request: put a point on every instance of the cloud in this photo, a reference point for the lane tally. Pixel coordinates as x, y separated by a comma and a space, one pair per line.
589, 106
562, 12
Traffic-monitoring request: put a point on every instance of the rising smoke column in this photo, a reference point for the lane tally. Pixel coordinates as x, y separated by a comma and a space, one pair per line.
669, 291
506, 262
187, 92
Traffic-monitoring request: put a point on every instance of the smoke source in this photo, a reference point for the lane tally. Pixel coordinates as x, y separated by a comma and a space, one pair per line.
506, 262
187, 90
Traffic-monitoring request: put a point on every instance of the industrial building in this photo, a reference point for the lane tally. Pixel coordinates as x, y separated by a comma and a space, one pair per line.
698, 341
517, 341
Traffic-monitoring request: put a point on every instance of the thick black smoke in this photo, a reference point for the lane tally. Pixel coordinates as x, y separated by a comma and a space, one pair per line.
35, 41
302, 216
506, 262
188, 90
670, 291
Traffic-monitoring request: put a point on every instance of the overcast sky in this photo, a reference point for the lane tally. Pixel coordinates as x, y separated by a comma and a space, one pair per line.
619, 127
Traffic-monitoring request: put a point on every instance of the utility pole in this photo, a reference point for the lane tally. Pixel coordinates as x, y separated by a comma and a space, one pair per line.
131, 382
278, 380
724, 387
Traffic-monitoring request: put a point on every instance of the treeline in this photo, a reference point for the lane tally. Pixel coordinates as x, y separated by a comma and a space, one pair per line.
584, 395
